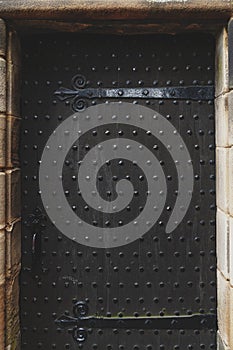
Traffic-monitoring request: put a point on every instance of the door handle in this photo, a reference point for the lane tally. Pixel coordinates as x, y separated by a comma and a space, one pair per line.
36, 247
34, 243
36, 223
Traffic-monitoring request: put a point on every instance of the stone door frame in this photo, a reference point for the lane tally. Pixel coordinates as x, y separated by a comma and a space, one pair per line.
129, 17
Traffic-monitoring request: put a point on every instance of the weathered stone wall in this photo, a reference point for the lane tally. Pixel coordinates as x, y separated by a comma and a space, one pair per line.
224, 169
10, 235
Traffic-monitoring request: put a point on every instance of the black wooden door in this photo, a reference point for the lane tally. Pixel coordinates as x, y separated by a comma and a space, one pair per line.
118, 192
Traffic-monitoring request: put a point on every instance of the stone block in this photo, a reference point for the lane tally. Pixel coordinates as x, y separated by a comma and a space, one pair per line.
13, 74
2, 38
2, 256
2, 85
2, 200
231, 319
2, 316
13, 49
2, 141
229, 116
222, 173
223, 310
13, 249
230, 176
12, 310
222, 119
231, 250
221, 64
223, 242
13, 89
13, 134
13, 194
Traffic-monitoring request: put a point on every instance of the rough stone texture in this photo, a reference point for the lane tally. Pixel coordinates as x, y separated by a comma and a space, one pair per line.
13, 194
133, 9
230, 181
2, 200
220, 343
223, 242
12, 311
16, 344
2, 316
13, 90
2, 141
230, 118
12, 236
222, 121
12, 155
2, 179
231, 319
13, 249
221, 64
223, 291
2, 85
222, 158
13, 47
2, 256
2, 38
13, 74
231, 251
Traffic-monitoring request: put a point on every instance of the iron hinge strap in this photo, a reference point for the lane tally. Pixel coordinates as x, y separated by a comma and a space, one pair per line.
180, 92
80, 322
200, 321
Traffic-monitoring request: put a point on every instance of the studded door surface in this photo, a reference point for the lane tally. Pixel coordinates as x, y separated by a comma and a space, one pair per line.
118, 192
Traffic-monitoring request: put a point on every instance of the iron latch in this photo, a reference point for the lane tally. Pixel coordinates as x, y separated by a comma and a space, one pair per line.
36, 223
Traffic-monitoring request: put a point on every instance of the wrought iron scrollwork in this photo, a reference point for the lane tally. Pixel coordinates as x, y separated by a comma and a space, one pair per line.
80, 310
78, 83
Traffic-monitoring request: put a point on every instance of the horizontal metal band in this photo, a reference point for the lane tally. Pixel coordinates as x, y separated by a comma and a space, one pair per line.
208, 321
180, 92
